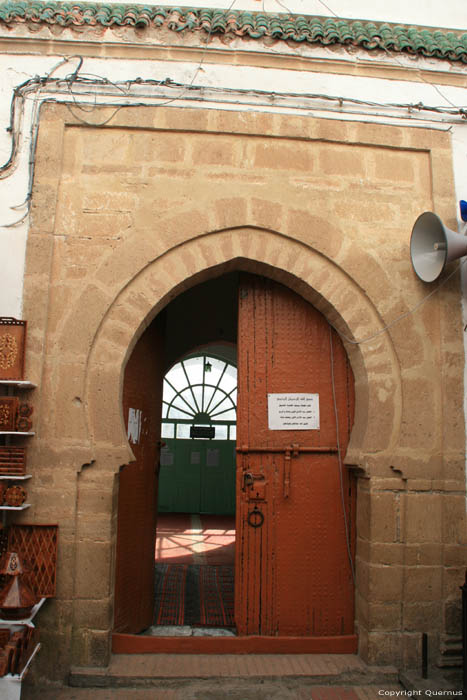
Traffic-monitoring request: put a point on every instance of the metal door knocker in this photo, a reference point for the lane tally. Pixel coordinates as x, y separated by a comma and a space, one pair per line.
255, 517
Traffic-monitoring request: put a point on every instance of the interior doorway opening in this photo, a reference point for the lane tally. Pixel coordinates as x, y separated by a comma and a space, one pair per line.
198, 432
195, 536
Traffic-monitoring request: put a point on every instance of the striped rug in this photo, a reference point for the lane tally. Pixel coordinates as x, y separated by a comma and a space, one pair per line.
195, 595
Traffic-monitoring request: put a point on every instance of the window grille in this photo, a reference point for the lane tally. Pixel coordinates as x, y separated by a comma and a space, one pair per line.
200, 391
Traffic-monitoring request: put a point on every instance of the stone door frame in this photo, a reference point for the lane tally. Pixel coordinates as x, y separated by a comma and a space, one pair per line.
78, 348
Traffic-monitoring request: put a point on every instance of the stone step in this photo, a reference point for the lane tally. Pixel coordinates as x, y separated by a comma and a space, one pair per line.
227, 689
174, 670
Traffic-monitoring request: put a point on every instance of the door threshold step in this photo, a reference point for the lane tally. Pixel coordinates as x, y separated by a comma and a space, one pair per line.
175, 670
188, 631
249, 644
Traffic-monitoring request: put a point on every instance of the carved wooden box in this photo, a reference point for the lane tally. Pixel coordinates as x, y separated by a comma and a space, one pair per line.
12, 347
8, 412
14, 416
12, 461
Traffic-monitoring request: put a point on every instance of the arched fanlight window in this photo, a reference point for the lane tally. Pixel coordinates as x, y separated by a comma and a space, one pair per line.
200, 391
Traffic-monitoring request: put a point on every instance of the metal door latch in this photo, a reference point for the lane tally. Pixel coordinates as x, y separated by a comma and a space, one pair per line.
255, 491
248, 480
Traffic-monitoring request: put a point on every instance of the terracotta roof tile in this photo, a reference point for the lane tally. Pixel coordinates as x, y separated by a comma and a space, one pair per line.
442, 44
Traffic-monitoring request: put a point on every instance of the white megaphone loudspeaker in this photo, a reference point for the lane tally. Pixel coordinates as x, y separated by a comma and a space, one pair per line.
433, 246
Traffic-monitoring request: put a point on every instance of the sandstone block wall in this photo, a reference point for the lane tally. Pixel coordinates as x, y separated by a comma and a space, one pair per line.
128, 215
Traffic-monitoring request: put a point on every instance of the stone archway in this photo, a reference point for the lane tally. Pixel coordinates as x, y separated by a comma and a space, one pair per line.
312, 275
316, 278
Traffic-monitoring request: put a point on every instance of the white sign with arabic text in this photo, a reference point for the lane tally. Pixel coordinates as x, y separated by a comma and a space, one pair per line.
293, 411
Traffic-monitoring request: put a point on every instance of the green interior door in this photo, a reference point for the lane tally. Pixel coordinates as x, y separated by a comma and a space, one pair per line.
197, 476
197, 471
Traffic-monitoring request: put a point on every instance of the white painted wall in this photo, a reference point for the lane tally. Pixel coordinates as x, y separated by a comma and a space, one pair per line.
14, 69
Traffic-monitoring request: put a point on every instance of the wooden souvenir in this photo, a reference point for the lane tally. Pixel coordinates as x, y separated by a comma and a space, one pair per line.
3, 488
11, 564
3, 549
38, 545
16, 598
12, 346
28, 642
12, 461
23, 425
8, 412
4, 665
3, 541
25, 410
16, 649
4, 639
11, 653
14, 496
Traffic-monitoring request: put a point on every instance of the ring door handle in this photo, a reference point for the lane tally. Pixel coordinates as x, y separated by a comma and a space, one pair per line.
255, 518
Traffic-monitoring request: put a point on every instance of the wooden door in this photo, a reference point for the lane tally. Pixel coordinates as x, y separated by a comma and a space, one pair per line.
137, 494
293, 543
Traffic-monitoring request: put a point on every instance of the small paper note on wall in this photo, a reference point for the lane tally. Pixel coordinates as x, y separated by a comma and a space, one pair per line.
134, 425
293, 411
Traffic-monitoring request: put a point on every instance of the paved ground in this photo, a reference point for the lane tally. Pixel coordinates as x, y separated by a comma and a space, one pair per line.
239, 677
219, 690
153, 669
225, 677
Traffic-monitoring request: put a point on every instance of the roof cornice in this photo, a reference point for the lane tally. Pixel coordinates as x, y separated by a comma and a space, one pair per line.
437, 43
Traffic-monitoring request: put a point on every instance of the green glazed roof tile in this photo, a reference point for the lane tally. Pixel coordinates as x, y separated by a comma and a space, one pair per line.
441, 44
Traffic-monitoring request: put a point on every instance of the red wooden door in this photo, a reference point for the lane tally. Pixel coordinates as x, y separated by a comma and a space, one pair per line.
293, 571
137, 494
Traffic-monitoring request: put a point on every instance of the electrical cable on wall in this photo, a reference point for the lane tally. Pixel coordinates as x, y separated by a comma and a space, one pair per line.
35, 122
21, 93
384, 48
167, 102
461, 111
393, 57
340, 461
403, 315
37, 85
16, 132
